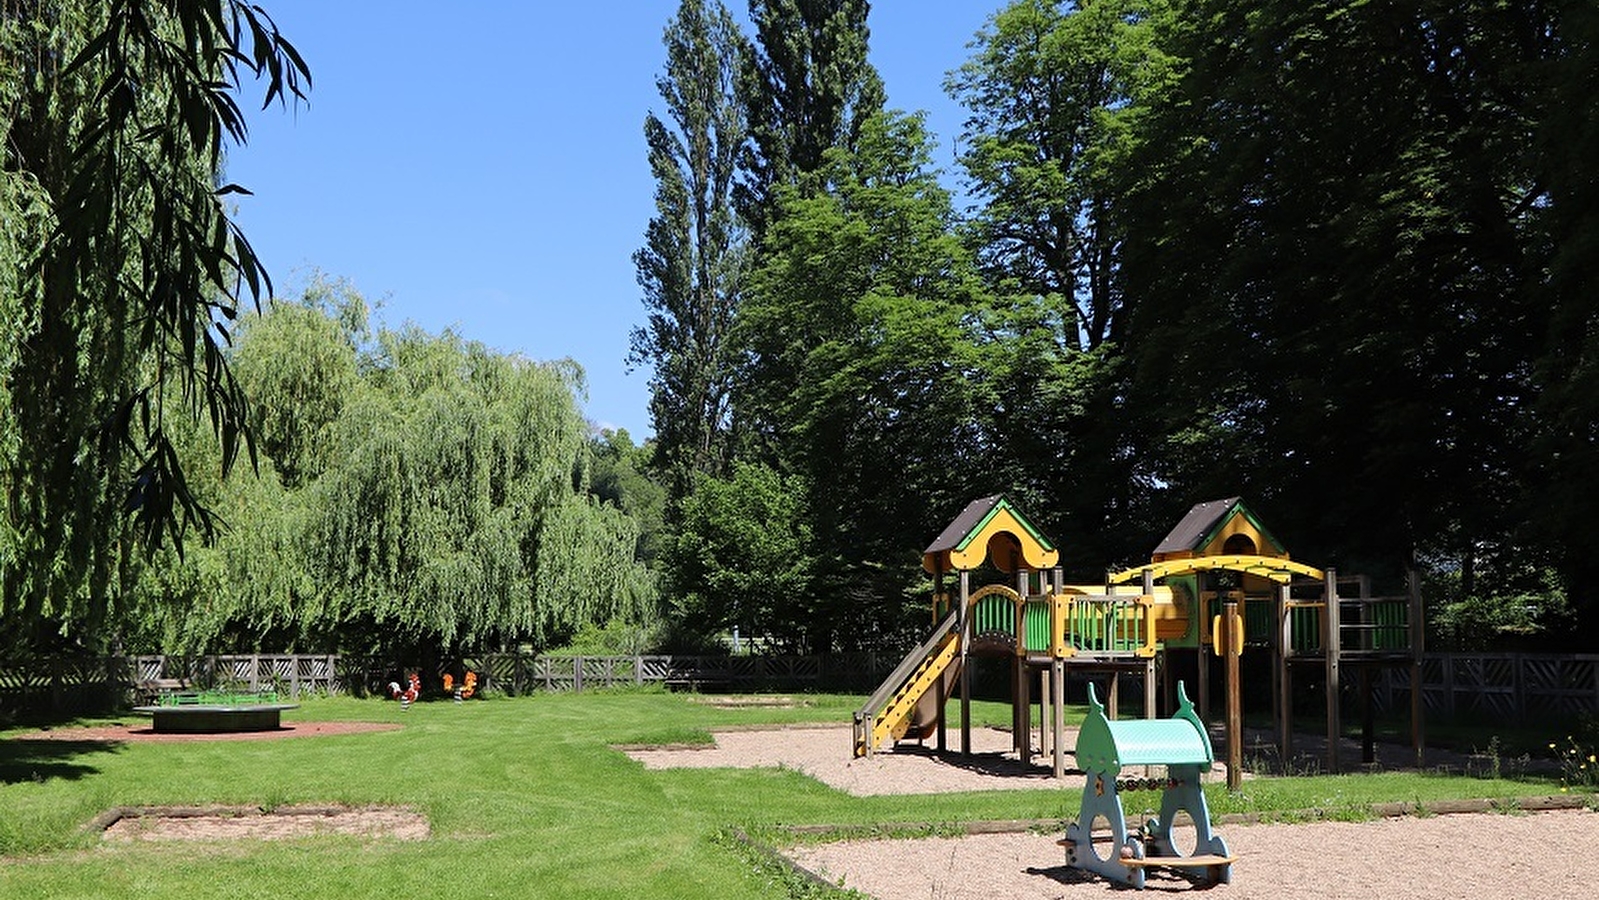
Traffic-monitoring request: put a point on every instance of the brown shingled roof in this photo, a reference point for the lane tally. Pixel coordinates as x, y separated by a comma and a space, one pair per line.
970, 518
1195, 526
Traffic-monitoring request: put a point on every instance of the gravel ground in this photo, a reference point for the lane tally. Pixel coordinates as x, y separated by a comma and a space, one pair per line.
1548, 856
824, 753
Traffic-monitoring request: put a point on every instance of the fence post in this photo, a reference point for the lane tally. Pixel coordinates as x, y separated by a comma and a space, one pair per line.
1446, 684
57, 700
1518, 686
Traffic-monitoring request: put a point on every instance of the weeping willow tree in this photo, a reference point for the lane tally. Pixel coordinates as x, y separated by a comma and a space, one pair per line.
418, 493
120, 274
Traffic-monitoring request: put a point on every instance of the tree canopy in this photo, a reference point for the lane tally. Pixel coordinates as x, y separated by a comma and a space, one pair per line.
440, 504
1335, 257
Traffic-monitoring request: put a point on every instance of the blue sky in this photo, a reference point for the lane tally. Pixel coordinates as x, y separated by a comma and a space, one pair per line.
481, 166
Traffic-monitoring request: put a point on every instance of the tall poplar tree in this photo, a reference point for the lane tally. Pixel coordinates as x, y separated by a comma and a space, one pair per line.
693, 264
807, 86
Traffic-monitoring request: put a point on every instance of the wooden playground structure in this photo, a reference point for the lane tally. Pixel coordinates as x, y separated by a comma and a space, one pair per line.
1219, 583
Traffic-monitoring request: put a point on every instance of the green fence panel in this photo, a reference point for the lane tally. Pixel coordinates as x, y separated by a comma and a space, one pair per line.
1035, 615
1304, 628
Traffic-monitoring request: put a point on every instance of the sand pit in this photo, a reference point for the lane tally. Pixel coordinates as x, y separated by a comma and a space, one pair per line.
233, 823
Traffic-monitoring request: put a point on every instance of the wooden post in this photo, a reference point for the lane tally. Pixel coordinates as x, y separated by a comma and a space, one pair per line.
941, 687
1057, 692
1113, 703
1418, 649
1149, 688
1147, 586
1021, 704
966, 670
1044, 729
1232, 649
1202, 611
1330, 647
1285, 676
1057, 685
1368, 717
1276, 648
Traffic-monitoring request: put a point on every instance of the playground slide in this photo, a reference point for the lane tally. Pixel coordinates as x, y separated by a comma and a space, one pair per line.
905, 702
923, 720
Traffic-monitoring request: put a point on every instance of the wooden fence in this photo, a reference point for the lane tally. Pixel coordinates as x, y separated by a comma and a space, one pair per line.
1505, 686
60, 685
1515, 687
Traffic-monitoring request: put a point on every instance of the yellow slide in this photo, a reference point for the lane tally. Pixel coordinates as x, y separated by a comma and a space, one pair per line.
905, 702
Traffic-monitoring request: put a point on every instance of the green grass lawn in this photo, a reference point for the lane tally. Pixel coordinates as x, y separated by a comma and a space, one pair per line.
525, 797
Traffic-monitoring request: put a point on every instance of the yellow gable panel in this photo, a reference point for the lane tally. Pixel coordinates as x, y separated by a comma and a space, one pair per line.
1018, 549
1239, 524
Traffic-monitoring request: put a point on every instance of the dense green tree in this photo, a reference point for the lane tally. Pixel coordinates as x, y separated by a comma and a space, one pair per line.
693, 265
1050, 91
622, 477
743, 559
866, 375
1566, 489
457, 513
808, 86
122, 275
1331, 232
441, 503
1053, 91
299, 366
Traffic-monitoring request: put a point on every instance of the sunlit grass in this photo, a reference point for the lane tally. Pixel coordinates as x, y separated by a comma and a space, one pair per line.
526, 798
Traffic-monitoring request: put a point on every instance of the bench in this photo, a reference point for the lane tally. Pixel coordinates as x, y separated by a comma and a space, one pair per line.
151, 690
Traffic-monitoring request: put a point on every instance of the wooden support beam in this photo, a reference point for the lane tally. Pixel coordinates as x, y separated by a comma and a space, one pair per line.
1021, 702
1330, 646
1418, 649
966, 670
1149, 687
1283, 696
1057, 677
1232, 649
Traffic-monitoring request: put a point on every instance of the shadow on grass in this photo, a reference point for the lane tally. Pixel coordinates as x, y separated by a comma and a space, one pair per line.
43, 759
